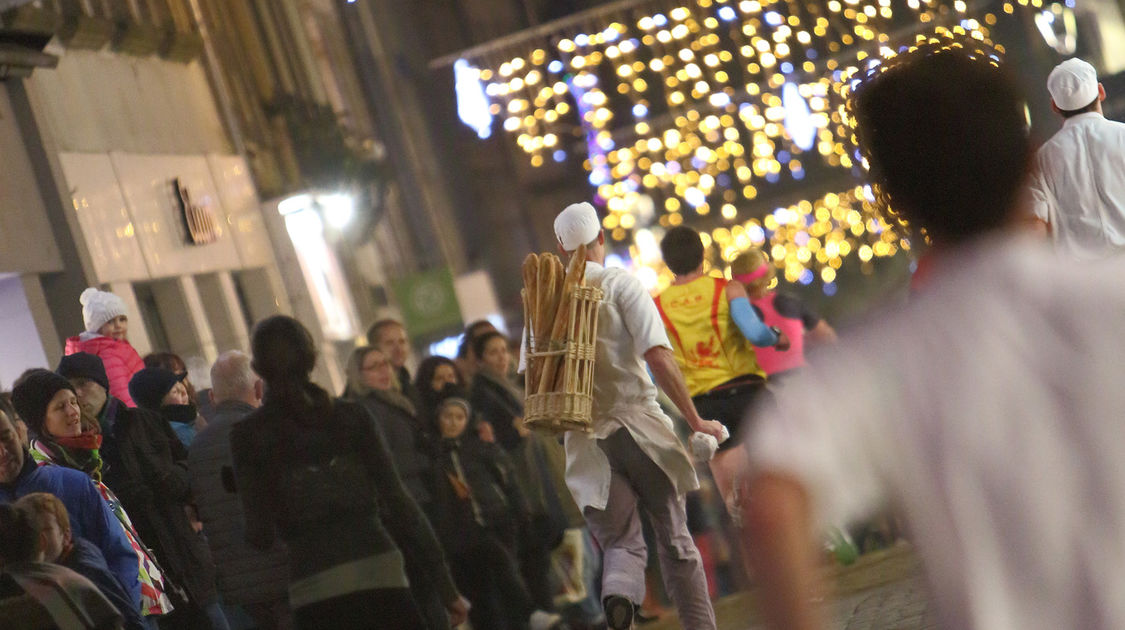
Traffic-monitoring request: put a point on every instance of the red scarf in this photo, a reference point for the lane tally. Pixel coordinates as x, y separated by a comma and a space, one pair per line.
87, 441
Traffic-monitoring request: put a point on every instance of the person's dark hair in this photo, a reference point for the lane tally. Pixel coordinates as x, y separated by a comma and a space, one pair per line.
481, 342
682, 250
284, 354
428, 367
1092, 107
471, 332
945, 135
377, 327
17, 536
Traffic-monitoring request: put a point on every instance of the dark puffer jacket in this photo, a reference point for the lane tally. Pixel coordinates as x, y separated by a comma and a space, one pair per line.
146, 467
245, 575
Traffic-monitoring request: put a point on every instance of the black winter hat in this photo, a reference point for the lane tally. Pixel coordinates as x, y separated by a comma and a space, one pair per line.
31, 394
149, 386
84, 365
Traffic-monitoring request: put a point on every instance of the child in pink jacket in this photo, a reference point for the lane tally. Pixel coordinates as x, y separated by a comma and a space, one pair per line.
106, 336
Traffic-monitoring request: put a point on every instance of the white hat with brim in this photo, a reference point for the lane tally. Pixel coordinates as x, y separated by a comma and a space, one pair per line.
576, 225
1073, 84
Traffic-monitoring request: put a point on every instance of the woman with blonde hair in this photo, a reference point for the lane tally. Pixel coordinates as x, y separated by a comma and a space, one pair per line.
752, 268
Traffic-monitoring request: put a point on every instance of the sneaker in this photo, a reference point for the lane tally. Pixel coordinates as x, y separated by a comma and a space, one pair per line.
543, 620
618, 613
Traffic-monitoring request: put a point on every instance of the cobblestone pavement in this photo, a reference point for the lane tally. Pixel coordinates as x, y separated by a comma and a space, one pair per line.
882, 591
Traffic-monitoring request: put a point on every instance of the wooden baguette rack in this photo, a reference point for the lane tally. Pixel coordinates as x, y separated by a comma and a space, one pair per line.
561, 315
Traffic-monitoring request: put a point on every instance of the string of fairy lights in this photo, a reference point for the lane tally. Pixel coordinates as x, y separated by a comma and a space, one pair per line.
684, 110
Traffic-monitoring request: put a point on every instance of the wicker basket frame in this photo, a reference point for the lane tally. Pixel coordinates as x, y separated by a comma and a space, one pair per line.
570, 406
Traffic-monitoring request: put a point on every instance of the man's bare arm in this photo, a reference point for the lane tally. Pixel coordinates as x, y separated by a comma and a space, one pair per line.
662, 362
777, 522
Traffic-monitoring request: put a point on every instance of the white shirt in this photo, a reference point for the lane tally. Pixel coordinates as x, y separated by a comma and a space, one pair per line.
1078, 186
624, 395
990, 411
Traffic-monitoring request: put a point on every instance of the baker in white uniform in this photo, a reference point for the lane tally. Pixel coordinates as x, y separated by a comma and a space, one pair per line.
633, 459
1078, 184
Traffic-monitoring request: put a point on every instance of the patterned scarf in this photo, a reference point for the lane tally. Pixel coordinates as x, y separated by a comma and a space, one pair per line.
80, 452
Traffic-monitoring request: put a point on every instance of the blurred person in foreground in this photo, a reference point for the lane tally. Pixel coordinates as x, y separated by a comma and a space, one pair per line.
48, 517
38, 595
1078, 183
316, 473
251, 579
1006, 465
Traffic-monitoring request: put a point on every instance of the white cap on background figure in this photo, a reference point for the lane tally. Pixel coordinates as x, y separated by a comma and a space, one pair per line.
1073, 84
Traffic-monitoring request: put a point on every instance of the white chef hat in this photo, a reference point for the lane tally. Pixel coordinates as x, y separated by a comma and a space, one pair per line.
577, 224
1073, 84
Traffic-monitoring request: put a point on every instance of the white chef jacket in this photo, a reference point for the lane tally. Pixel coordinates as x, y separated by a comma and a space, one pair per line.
1078, 186
989, 410
624, 395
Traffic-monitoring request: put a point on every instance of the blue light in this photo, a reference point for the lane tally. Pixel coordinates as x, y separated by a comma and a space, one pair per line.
610, 34
772, 177
806, 277
756, 233
787, 67
727, 13
799, 174
659, 19
830, 288
582, 39
472, 103
605, 143
559, 155
640, 111
783, 156
723, 180
773, 18
811, 53
555, 66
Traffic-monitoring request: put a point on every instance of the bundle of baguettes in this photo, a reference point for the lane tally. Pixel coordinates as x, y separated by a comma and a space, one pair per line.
548, 290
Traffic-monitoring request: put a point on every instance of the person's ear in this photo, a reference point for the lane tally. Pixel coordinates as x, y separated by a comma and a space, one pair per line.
1055, 108
601, 237
562, 252
1101, 92
259, 389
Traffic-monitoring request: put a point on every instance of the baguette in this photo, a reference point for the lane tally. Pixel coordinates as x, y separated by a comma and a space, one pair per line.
531, 284
574, 276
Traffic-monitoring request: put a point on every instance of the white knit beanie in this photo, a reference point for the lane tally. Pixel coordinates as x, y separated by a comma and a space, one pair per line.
98, 307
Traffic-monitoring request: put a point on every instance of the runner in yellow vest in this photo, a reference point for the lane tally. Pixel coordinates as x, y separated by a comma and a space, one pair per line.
711, 326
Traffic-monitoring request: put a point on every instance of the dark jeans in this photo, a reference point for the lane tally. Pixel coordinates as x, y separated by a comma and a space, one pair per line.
729, 402
384, 609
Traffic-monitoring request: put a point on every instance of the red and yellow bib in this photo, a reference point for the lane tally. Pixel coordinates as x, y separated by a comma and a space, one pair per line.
708, 345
